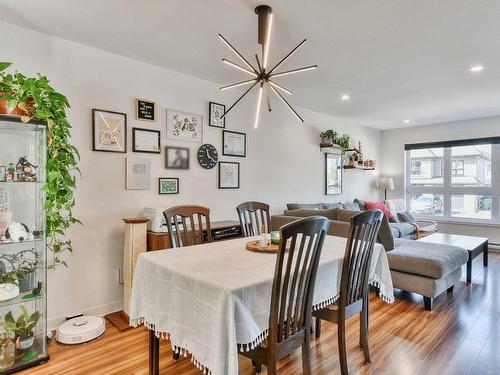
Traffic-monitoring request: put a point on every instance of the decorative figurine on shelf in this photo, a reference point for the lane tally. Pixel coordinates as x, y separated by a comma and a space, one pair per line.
9, 175
26, 172
17, 232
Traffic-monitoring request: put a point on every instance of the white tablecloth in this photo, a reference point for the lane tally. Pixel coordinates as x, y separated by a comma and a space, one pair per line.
209, 298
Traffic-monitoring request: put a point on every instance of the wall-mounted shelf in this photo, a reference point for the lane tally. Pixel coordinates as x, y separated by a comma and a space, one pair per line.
330, 147
361, 168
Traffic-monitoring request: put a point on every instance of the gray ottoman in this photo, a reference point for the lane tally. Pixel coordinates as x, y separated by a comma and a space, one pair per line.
425, 268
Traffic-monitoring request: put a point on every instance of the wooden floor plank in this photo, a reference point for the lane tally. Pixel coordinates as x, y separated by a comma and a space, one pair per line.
460, 336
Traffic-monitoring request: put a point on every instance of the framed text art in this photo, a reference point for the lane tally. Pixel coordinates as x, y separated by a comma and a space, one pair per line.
144, 110
229, 175
109, 131
184, 126
234, 143
215, 112
146, 140
168, 185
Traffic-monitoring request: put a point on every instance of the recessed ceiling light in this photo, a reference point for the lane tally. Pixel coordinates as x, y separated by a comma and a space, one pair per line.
406, 121
345, 97
476, 68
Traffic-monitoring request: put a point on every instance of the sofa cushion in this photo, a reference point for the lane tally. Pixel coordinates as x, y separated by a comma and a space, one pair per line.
351, 206
361, 204
345, 215
303, 206
407, 217
328, 206
426, 259
329, 214
380, 206
402, 230
340, 228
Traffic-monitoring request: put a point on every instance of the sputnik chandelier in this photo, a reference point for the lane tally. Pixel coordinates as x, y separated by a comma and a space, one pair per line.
262, 76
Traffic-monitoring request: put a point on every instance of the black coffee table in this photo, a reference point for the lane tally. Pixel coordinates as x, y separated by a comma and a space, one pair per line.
473, 245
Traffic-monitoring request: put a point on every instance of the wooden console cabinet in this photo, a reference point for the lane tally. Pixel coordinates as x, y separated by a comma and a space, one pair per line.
221, 230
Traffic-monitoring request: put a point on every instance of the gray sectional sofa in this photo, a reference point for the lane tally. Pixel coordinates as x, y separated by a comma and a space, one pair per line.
418, 267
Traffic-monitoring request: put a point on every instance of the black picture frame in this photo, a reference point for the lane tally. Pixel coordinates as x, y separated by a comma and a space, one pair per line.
145, 110
225, 153
219, 175
134, 137
167, 164
210, 105
168, 178
94, 147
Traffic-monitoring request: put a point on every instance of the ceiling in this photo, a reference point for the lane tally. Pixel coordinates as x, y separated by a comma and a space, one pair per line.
397, 59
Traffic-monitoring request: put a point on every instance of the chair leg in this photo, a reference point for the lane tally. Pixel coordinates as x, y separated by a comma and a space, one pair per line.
306, 355
257, 366
175, 356
364, 334
318, 328
450, 289
342, 349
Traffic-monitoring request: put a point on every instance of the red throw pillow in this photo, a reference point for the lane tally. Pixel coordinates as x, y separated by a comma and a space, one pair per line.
381, 206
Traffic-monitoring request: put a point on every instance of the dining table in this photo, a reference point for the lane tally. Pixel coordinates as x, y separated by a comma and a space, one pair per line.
213, 299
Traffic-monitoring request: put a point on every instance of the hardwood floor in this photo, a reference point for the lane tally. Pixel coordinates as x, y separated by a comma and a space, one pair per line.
460, 336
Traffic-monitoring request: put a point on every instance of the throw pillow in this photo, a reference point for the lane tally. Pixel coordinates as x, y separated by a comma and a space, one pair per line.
407, 217
351, 206
361, 204
381, 206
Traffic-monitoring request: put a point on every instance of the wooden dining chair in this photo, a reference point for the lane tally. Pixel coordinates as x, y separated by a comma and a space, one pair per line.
353, 298
187, 225
252, 216
292, 293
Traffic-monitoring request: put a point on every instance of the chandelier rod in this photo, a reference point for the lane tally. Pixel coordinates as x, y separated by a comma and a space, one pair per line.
241, 97
239, 54
287, 56
287, 104
237, 84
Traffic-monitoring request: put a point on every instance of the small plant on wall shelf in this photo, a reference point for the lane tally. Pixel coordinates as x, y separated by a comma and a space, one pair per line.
330, 137
34, 99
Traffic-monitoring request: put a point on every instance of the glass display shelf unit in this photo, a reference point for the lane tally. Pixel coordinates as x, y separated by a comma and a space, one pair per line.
23, 250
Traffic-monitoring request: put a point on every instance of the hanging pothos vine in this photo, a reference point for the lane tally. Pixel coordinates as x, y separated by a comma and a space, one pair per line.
39, 101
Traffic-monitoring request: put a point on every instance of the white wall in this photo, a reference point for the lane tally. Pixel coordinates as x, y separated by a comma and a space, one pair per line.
283, 162
393, 159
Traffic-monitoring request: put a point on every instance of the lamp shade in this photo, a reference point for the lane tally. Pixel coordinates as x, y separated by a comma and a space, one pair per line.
386, 183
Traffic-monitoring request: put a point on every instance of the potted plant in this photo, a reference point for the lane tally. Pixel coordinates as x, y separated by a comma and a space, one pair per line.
9, 287
328, 137
39, 101
26, 269
344, 142
23, 327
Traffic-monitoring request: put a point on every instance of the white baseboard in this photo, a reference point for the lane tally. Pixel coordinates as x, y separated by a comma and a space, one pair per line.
54, 322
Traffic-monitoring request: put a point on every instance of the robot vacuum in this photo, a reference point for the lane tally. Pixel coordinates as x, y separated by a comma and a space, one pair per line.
80, 329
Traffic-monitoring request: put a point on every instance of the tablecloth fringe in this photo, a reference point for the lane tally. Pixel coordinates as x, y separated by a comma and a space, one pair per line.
386, 295
175, 348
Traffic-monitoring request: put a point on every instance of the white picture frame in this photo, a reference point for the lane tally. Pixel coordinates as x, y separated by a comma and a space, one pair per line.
184, 126
138, 174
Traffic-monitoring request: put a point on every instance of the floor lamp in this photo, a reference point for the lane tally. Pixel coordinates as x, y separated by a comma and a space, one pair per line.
386, 183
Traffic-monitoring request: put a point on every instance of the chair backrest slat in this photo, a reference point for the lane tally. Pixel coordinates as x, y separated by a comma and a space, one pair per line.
359, 249
294, 278
252, 216
186, 225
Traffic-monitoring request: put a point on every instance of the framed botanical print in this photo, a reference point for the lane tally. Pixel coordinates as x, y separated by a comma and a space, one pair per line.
229, 175
333, 173
138, 174
215, 112
109, 131
234, 143
144, 110
184, 126
168, 185
3, 170
176, 157
146, 140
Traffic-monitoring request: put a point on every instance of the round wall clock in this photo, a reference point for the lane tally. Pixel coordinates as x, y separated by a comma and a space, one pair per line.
207, 156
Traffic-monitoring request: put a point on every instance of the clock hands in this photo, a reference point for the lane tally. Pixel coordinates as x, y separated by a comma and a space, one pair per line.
211, 158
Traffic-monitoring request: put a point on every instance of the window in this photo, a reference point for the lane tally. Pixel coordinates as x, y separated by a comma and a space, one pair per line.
454, 179
457, 167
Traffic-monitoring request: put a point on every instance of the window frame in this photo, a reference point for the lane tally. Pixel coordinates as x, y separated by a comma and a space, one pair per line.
447, 189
